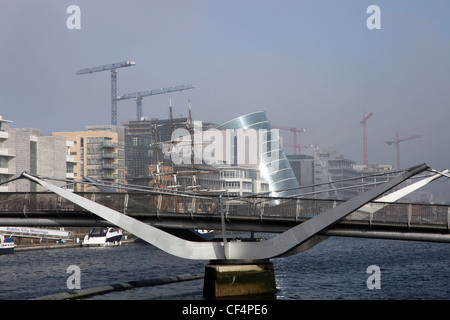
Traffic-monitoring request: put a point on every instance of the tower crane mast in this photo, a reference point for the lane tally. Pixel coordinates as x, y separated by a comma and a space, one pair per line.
140, 95
113, 68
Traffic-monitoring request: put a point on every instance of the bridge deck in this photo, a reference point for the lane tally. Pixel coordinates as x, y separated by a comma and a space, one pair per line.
253, 214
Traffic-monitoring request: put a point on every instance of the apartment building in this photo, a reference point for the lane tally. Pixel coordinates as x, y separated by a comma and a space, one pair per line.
25, 149
99, 153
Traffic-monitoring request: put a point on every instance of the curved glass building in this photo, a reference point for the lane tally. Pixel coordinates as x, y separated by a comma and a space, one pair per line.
273, 164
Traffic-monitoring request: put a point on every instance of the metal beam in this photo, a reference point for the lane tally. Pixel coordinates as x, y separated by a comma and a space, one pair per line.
139, 96
105, 67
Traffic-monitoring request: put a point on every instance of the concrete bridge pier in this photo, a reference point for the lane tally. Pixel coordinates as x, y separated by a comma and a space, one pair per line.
232, 278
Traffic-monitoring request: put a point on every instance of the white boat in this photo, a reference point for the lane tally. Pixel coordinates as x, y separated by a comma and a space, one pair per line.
207, 234
103, 236
6, 245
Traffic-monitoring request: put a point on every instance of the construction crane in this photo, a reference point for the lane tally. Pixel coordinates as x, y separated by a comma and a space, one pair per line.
140, 95
397, 142
364, 123
295, 131
113, 68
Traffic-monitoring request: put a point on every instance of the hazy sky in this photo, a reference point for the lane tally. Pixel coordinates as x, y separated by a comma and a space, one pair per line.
313, 65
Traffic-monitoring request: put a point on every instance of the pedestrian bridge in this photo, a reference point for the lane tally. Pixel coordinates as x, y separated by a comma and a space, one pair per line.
375, 219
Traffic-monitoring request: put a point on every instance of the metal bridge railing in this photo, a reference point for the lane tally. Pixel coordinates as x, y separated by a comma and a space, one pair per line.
299, 209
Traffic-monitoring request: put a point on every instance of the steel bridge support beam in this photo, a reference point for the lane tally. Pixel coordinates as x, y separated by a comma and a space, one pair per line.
283, 244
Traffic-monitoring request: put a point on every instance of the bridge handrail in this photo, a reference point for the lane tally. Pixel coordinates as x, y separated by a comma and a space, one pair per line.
301, 209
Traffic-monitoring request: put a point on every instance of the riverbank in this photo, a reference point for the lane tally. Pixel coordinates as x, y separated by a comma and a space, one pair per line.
47, 246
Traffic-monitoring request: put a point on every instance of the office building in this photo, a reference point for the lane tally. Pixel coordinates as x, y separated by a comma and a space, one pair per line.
303, 168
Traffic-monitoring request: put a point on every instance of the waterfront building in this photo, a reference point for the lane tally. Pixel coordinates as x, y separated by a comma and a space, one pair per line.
275, 167
242, 181
5, 156
331, 166
140, 153
25, 149
100, 153
70, 165
230, 180
303, 168
144, 149
158, 130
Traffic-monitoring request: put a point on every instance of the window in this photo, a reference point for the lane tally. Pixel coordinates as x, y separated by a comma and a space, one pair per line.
3, 162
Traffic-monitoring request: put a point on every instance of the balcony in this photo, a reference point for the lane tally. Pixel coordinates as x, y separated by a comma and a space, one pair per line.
6, 171
110, 155
108, 144
106, 176
110, 166
5, 152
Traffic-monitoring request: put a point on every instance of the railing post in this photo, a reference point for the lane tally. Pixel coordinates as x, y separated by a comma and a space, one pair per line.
158, 206
58, 203
125, 203
448, 219
261, 212
409, 215
224, 231
297, 209
26, 202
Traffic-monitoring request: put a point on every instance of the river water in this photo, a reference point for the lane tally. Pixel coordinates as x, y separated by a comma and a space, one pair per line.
333, 269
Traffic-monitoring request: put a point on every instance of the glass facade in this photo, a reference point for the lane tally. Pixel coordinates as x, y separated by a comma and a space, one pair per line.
274, 166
